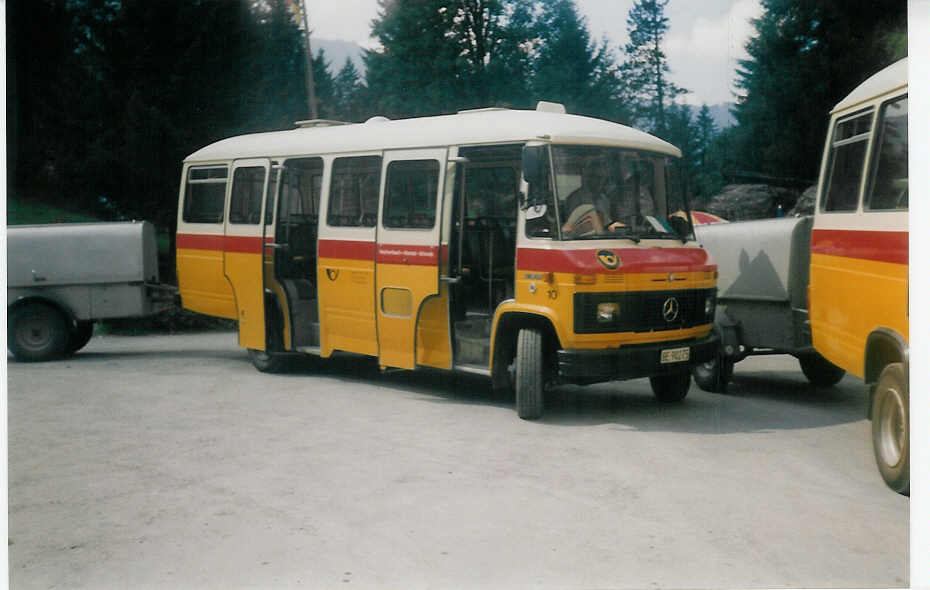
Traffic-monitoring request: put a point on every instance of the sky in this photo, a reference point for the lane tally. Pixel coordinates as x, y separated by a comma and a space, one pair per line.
703, 44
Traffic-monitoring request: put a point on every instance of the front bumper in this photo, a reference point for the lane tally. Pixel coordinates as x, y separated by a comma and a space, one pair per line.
632, 361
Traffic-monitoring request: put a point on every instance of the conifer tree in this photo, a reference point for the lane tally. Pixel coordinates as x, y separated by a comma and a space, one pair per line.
645, 71
807, 55
347, 93
569, 68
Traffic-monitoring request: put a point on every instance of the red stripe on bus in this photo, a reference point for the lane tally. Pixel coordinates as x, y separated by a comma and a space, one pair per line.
408, 254
631, 260
347, 249
880, 246
200, 242
244, 244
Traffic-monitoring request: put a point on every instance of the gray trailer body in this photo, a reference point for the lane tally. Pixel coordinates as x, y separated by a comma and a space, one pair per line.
764, 272
65, 276
764, 269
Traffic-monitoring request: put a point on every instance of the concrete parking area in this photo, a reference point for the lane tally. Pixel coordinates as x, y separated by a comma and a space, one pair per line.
169, 462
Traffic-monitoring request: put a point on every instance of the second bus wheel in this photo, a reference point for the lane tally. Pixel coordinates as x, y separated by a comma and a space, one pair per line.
529, 377
819, 371
714, 375
671, 388
267, 362
37, 332
890, 428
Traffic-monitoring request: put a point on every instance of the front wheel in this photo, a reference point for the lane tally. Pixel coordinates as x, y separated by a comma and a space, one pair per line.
890, 430
671, 388
37, 332
819, 371
267, 362
529, 374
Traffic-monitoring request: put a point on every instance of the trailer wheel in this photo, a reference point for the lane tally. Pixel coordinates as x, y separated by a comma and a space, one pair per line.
529, 378
714, 375
267, 362
671, 388
37, 332
80, 335
819, 371
890, 430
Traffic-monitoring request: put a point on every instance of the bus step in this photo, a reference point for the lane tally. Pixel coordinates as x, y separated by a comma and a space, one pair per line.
473, 341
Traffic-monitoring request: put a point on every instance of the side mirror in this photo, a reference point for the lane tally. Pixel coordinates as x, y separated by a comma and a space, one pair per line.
534, 157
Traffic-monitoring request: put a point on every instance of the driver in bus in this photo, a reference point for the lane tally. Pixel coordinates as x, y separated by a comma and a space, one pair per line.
589, 206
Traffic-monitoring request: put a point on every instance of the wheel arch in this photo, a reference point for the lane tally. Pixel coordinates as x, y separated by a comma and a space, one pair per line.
51, 301
507, 324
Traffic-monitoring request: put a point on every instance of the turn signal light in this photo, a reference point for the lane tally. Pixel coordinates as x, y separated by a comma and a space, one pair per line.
585, 279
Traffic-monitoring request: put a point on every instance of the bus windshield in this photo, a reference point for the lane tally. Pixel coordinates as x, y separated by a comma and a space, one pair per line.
618, 193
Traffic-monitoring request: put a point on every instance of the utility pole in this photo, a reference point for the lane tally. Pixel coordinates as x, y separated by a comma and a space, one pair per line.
311, 88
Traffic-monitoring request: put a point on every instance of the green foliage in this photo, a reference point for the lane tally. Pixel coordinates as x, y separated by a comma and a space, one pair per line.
24, 211
416, 73
645, 71
104, 109
347, 94
590, 85
806, 56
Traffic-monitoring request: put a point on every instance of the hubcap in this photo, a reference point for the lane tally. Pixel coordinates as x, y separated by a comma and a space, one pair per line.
33, 334
892, 429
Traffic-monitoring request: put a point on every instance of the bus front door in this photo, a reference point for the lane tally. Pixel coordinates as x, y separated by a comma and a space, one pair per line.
243, 250
407, 250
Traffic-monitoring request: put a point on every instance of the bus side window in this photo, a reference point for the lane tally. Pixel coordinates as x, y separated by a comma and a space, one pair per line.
246, 203
888, 189
410, 196
847, 159
205, 195
353, 193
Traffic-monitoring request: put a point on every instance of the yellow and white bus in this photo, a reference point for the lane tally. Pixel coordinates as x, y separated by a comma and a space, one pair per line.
534, 247
859, 258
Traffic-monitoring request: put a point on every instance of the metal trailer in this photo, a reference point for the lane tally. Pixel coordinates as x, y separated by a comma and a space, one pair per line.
63, 277
762, 307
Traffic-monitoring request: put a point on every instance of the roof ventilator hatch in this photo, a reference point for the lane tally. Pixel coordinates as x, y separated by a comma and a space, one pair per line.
550, 107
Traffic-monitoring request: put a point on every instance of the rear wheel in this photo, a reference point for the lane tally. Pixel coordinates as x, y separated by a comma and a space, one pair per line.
37, 332
819, 371
890, 430
671, 388
714, 375
267, 362
529, 377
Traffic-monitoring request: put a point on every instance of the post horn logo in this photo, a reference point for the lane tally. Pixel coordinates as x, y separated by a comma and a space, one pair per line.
670, 309
332, 273
608, 259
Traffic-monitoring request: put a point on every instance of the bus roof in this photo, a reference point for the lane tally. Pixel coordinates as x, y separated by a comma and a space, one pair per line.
887, 80
485, 126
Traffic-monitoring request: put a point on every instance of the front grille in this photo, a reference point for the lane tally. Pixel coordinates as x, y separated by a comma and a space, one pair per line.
641, 311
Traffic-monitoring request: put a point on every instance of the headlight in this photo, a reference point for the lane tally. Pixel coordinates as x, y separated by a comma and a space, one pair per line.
710, 306
607, 312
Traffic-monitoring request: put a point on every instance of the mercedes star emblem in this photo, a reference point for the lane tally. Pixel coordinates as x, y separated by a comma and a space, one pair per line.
670, 309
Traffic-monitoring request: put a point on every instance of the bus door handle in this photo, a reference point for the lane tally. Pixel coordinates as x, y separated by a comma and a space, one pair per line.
450, 280
275, 245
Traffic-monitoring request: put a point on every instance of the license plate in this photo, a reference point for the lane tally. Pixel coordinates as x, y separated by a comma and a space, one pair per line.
675, 355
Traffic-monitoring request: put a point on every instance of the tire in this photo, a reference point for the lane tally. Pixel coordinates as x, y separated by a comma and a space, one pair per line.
80, 335
529, 378
714, 375
890, 428
37, 332
671, 388
267, 362
819, 371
